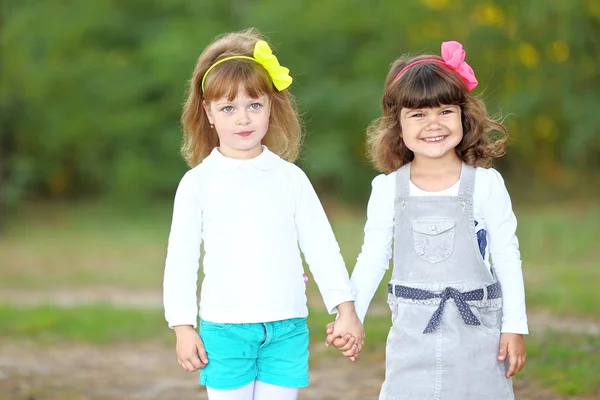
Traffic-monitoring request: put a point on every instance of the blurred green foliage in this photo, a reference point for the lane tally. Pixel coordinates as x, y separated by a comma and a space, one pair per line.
91, 92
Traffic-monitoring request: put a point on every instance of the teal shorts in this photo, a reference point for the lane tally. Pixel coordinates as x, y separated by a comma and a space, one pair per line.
272, 352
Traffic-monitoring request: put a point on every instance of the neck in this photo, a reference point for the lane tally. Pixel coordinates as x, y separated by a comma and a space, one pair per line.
436, 165
241, 154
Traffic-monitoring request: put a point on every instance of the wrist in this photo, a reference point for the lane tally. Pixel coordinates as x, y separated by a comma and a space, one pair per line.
182, 328
346, 309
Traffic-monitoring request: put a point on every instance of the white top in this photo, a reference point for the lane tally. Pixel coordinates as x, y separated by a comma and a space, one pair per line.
493, 213
251, 216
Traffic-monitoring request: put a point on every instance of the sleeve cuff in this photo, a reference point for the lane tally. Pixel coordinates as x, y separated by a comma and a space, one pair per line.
331, 305
521, 328
183, 321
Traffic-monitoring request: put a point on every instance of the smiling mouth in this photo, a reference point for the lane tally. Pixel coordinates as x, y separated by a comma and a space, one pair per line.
244, 133
435, 139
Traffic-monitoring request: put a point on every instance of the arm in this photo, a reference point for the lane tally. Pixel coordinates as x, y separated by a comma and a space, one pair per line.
374, 258
376, 252
320, 248
322, 254
183, 253
501, 224
181, 275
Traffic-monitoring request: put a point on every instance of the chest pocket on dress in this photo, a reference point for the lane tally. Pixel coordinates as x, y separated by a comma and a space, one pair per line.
433, 238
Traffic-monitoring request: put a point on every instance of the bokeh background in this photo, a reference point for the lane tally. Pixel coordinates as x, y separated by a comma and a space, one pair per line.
90, 99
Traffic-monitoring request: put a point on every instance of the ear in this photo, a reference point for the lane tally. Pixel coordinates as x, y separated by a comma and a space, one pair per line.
207, 111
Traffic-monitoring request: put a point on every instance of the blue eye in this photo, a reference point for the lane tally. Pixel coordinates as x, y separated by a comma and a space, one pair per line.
227, 109
255, 106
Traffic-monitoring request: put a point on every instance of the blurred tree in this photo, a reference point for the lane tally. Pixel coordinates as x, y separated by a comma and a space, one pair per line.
91, 91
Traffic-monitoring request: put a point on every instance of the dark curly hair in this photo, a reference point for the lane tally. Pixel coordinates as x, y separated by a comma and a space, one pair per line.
431, 85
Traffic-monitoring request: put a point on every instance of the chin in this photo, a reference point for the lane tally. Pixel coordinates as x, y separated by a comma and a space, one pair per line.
246, 147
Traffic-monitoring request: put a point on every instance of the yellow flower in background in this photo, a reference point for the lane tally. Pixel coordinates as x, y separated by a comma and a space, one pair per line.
560, 51
594, 7
528, 55
488, 14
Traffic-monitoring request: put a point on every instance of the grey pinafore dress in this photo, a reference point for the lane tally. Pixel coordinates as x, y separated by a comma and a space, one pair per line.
446, 304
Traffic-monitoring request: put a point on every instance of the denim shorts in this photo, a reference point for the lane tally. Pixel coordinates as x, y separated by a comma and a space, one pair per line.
272, 352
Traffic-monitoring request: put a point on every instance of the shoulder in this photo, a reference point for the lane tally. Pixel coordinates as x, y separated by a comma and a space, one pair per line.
384, 186
490, 186
193, 178
290, 171
488, 178
382, 181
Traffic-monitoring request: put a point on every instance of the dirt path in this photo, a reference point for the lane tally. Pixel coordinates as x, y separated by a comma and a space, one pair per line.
148, 371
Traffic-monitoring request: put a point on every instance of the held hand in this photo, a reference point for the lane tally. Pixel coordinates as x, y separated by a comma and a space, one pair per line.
512, 345
348, 322
346, 343
190, 351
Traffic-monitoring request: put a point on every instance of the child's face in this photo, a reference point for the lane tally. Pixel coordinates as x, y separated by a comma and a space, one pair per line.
432, 132
241, 124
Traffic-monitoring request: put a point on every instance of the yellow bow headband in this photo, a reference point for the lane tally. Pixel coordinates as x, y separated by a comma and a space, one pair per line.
265, 57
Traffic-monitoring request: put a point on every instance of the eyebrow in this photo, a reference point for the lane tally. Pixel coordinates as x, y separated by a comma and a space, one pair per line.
252, 101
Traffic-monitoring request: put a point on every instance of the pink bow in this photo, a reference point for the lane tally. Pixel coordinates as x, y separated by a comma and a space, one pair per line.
454, 57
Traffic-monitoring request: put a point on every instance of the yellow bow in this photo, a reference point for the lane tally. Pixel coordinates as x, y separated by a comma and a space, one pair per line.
264, 56
279, 75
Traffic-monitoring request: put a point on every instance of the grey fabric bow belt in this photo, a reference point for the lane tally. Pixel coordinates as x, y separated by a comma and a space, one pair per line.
494, 291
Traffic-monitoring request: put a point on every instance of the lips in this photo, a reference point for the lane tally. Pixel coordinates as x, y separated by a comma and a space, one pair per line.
434, 139
244, 133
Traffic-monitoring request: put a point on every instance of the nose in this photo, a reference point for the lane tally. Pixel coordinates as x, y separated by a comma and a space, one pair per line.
243, 118
433, 122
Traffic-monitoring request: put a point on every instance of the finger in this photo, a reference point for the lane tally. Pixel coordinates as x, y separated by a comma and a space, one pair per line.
521, 363
350, 352
513, 363
202, 353
188, 366
329, 339
196, 362
502, 351
340, 342
329, 328
348, 345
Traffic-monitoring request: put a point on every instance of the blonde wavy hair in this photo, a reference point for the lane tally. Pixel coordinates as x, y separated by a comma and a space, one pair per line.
431, 85
284, 136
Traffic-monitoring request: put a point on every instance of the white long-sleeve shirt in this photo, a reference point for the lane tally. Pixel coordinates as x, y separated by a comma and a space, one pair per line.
493, 214
251, 216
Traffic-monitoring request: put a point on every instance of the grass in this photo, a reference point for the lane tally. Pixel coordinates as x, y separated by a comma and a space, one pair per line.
98, 324
569, 364
60, 247
104, 323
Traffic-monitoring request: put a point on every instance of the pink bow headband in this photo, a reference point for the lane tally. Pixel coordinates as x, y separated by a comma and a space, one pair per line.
454, 57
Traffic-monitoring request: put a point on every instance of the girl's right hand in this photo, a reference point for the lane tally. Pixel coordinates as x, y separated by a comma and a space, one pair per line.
345, 344
191, 354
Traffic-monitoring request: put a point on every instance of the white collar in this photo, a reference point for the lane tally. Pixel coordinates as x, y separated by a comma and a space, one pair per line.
265, 161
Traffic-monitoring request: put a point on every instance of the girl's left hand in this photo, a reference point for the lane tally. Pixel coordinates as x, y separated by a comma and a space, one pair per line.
512, 345
347, 335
